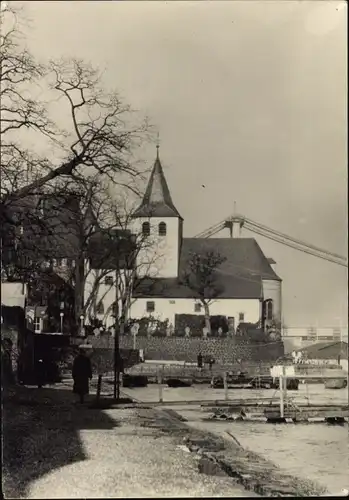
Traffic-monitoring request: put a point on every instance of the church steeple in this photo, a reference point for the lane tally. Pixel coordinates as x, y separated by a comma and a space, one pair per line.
157, 201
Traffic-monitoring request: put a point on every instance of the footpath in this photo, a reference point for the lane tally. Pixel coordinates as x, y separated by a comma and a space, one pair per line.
54, 448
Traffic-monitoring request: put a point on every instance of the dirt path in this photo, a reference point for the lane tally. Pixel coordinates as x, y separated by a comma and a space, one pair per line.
132, 460
55, 449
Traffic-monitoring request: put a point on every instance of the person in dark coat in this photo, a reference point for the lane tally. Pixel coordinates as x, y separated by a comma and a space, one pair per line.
200, 360
82, 373
40, 372
7, 377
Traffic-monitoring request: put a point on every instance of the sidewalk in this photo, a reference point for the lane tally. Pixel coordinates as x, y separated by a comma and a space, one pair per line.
74, 452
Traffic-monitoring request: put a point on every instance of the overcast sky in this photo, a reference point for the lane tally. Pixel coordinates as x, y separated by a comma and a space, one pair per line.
250, 99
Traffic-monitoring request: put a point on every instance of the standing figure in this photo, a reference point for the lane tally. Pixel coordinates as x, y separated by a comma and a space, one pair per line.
82, 373
40, 372
200, 360
7, 377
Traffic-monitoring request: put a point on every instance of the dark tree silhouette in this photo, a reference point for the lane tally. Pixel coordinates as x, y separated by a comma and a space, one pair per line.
200, 275
100, 131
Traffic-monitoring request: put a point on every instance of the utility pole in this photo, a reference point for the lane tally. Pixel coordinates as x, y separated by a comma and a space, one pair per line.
116, 336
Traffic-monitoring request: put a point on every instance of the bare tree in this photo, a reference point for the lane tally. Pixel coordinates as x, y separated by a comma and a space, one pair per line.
200, 275
20, 76
98, 137
127, 261
100, 131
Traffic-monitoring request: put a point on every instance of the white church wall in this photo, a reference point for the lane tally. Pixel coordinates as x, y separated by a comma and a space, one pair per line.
104, 292
159, 255
272, 290
13, 294
168, 308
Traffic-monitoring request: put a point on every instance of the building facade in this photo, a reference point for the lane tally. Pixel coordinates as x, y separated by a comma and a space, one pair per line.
137, 272
250, 290
300, 337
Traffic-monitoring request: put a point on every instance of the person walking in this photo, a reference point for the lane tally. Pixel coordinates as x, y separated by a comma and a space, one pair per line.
82, 373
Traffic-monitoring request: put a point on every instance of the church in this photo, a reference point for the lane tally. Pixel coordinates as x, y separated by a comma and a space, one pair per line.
250, 290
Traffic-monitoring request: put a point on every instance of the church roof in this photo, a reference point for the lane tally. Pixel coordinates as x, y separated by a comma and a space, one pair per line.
171, 288
240, 276
157, 201
243, 255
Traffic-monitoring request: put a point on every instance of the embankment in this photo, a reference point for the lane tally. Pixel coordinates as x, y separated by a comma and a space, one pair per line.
248, 469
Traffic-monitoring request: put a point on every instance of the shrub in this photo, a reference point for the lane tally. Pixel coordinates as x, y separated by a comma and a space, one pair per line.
219, 322
157, 328
159, 333
194, 321
196, 324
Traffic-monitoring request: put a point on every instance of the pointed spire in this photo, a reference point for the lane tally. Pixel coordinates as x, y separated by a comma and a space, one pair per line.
157, 201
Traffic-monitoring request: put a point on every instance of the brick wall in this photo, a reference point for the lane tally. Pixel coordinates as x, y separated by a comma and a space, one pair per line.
186, 349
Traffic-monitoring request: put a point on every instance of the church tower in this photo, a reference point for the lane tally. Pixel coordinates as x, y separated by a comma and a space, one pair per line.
159, 226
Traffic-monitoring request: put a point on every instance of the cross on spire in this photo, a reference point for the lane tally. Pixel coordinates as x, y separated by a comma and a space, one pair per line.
157, 145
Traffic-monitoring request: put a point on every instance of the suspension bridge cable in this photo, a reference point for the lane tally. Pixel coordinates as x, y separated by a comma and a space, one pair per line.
293, 245
294, 240
280, 238
216, 227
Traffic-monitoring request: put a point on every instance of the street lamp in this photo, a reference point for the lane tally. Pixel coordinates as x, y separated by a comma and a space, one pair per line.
61, 315
81, 324
134, 331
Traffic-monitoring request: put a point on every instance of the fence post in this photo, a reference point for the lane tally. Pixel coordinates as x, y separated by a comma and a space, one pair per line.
160, 386
307, 392
225, 385
282, 389
99, 387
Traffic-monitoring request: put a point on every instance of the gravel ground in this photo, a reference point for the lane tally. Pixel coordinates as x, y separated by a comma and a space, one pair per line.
132, 460
54, 448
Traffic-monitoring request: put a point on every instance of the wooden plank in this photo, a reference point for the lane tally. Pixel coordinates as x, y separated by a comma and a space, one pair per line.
318, 377
308, 413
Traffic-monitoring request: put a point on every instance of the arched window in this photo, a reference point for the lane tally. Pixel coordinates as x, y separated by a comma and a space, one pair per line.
269, 310
146, 228
162, 229
100, 308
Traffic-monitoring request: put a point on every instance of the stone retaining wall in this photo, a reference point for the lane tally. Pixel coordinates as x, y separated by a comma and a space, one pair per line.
227, 351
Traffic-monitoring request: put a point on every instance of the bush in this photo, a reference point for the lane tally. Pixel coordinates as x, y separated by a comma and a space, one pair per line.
157, 328
194, 321
159, 333
196, 324
219, 322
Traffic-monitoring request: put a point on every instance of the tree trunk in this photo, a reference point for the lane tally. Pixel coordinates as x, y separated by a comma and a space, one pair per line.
99, 388
207, 318
79, 292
